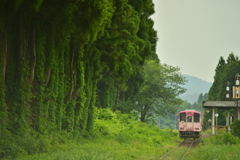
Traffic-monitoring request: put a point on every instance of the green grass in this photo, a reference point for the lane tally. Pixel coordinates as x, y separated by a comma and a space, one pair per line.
103, 149
223, 146
115, 136
119, 136
215, 152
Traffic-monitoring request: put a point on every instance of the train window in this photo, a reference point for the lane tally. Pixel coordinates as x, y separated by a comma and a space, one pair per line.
189, 119
182, 117
196, 117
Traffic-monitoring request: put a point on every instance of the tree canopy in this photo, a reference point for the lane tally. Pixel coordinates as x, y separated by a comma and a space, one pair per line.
61, 59
158, 94
225, 71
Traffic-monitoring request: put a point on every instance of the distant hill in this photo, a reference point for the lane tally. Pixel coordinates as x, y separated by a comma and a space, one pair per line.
194, 87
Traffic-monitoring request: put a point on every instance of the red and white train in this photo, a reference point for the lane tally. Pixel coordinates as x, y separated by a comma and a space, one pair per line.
189, 124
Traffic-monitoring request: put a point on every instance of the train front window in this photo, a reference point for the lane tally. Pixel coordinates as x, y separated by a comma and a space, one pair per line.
182, 117
196, 117
189, 119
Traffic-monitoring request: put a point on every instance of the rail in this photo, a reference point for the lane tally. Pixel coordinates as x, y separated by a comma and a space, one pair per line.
186, 143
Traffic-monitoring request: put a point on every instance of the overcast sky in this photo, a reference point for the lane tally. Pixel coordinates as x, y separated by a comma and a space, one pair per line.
193, 34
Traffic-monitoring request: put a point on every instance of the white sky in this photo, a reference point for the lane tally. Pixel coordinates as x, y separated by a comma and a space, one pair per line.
193, 34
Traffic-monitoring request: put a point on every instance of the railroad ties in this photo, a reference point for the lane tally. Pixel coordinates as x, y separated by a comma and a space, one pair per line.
188, 144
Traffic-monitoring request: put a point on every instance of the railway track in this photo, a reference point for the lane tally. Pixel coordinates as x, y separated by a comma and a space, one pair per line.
187, 143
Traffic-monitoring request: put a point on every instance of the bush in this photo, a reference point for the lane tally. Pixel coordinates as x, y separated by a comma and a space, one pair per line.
222, 139
105, 114
227, 138
125, 129
110, 127
8, 146
236, 128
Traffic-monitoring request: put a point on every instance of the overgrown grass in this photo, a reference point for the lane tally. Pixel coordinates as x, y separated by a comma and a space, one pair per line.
102, 149
115, 136
215, 152
223, 146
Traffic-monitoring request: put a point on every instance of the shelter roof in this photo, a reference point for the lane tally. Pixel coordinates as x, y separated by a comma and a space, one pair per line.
221, 104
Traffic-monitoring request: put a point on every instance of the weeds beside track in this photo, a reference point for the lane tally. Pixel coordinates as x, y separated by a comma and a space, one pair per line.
187, 143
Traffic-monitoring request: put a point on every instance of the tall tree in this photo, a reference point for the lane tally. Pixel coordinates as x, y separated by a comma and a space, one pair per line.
159, 91
225, 71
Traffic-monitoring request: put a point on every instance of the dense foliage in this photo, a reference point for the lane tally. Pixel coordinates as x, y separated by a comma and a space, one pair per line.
59, 59
225, 71
53, 53
157, 95
117, 136
222, 146
235, 128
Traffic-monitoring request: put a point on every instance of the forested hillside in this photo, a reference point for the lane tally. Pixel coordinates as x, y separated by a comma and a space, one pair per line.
59, 60
194, 86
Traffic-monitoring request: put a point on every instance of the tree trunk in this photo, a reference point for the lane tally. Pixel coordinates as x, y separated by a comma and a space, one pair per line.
34, 57
5, 59
3, 107
144, 113
48, 76
73, 76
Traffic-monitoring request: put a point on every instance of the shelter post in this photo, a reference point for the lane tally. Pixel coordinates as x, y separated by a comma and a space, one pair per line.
213, 121
228, 122
238, 111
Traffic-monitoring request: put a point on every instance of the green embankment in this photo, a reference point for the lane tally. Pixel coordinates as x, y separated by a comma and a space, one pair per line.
216, 152
116, 137
223, 146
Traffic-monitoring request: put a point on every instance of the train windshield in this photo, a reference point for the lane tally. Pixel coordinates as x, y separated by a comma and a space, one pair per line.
189, 119
182, 117
196, 117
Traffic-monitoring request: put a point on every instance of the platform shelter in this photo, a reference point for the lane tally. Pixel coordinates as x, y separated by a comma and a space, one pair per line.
213, 105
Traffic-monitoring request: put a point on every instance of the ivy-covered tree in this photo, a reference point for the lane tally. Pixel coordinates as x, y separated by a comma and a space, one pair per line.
128, 42
60, 59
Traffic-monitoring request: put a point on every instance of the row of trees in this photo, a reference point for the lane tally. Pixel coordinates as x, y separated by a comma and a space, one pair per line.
225, 71
59, 59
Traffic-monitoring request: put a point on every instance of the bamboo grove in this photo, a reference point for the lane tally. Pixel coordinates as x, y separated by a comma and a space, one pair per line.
59, 59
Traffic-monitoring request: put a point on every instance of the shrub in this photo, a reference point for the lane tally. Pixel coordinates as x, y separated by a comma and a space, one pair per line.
124, 128
8, 148
105, 114
236, 128
227, 138
116, 136
222, 139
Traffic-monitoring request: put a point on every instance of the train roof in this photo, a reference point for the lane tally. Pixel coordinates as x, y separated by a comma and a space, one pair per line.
190, 110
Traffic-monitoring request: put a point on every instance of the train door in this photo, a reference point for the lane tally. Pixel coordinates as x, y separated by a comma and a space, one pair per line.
189, 121
197, 122
182, 120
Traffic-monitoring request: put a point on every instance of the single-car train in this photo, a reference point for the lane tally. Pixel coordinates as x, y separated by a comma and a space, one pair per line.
189, 124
